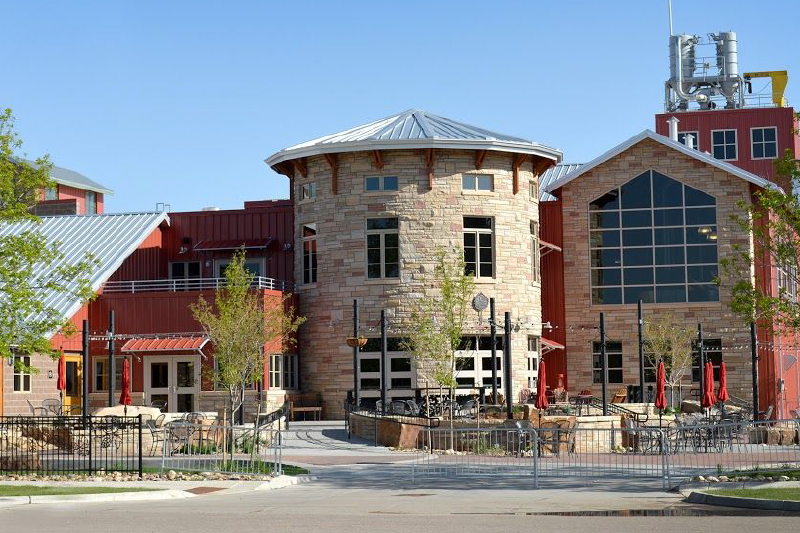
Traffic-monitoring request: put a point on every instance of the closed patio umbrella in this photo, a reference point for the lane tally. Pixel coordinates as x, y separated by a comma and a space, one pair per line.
708, 399
722, 392
125, 395
61, 384
661, 395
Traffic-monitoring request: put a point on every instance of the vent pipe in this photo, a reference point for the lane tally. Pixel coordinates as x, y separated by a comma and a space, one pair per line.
690, 141
673, 128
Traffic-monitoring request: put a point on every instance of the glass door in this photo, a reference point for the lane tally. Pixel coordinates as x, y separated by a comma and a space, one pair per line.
73, 395
173, 383
158, 386
187, 381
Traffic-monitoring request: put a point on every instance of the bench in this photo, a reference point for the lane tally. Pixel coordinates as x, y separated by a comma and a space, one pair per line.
305, 403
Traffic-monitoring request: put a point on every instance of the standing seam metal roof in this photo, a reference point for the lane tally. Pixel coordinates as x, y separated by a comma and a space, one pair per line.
552, 174
413, 128
64, 176
110, 239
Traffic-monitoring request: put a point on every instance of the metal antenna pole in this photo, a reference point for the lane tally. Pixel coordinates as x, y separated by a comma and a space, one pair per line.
641, 352
493, 335
355, 352
754, 357
111, 366
669, 7
507, 365
383, 360
603, 362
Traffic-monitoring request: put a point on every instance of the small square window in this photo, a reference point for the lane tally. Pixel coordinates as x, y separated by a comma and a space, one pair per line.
723, 144
308, 191
764, 143
381, 183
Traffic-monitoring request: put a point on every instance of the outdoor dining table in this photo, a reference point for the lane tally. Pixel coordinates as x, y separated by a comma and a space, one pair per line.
583, 400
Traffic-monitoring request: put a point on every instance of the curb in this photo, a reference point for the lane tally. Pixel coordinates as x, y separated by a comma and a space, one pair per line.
745, 503
285, 481
169, 494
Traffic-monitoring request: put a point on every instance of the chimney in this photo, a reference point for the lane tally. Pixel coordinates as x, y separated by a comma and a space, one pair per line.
673, 128
690, 141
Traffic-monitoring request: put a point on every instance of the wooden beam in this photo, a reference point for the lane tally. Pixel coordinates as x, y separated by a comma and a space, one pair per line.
480, 155
286, 168
377, 159
429, 161
519, 159
538, 170
333, 161
302, 166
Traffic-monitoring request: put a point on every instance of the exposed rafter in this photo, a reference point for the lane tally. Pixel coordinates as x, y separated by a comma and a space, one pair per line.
333, 161
480, 155
302, 166
429, 162
519, 159
377, 159
286, 168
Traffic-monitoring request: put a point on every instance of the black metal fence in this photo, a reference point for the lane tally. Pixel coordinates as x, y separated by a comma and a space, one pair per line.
57, 445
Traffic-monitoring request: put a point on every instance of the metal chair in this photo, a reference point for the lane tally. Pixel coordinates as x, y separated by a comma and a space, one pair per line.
53, 406
36, 411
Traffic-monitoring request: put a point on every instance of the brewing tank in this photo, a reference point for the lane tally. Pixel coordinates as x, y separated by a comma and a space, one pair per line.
686, 44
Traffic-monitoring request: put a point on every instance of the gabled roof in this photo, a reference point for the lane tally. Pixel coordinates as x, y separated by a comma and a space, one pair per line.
411, 129
109, 238
669, 143
552, 174
64, 176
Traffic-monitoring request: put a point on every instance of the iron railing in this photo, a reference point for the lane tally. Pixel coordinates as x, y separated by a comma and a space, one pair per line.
193, 284
49, 445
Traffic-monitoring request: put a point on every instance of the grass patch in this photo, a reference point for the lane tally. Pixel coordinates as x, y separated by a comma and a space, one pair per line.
792, 494
792, 474
34, 490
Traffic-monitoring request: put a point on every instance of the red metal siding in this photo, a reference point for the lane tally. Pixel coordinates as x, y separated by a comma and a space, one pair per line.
741, 120
552, 264
146, 262
65, 192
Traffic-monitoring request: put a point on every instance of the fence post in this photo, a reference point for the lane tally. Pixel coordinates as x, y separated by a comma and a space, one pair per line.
88, 421
140, 444
665, 464
535, 458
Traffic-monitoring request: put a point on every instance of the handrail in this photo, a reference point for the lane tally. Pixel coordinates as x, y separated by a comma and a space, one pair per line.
619, 410
411, 420
190, 284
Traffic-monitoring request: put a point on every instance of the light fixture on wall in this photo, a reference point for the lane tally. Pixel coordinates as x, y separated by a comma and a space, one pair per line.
49, 374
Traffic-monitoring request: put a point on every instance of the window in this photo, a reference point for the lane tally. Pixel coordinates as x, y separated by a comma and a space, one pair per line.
474, 360
535, 251
534, 344
101, 373
309, 253
399, 369
184, 270
614, 358
380, 183
22, 375
713, 353
695, 138
479, 247
723, 144
308, 191
383, 248
283, 371
650, 362
534, 188
253, 266
51, 193
91, 203
787, 282
764, 143
653, 239
477, 182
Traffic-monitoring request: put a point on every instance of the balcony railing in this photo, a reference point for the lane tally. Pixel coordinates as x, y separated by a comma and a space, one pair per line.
194, 284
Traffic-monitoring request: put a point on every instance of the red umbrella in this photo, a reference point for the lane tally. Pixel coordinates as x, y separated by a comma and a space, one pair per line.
62, 373
708, 399
722, 393
541, 392
125, 396
661, 382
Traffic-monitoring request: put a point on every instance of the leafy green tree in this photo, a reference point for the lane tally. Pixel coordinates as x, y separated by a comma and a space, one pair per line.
436, 326
31, 269
773, 219
239, 324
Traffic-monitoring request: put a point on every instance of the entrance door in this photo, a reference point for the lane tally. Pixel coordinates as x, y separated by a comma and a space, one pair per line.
73, 395
173, 383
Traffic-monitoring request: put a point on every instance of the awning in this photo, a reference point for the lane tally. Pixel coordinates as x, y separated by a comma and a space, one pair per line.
233, 244
165, 344
549, 346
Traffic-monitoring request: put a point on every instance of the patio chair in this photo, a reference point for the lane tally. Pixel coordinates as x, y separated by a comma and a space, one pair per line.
413, 408
36, 411
620, 396
53, 406
766, 415
466, 409
158, 435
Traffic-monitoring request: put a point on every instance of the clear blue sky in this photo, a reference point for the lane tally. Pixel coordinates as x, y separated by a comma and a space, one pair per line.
181, 101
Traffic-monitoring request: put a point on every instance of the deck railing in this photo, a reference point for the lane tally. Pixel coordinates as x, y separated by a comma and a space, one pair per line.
193, 284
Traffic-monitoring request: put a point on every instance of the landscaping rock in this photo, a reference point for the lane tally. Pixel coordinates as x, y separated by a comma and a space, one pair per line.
172, 475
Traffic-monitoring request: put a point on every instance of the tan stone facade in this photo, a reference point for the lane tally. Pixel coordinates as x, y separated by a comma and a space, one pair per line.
43, 386
428, 219
582, 318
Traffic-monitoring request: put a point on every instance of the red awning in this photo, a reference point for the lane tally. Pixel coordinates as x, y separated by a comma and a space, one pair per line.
164, 344
549, 346
233, 244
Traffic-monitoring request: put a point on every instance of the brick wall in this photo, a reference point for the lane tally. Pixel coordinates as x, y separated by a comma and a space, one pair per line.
43, 387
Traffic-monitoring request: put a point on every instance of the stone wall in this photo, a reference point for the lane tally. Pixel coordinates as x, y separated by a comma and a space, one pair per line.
429, 220
43, 386
582, 318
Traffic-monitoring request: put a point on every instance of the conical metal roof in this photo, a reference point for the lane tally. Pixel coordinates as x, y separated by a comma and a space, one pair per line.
414, 128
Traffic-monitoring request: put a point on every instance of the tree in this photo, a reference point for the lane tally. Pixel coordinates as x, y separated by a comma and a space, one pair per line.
239, 324
668, 341
773, 219
31, 270
437, 322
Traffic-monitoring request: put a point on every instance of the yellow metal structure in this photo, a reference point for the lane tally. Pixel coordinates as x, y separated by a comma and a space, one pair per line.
779, 80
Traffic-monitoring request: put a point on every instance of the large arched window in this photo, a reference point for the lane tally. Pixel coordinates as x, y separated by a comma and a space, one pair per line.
653, 239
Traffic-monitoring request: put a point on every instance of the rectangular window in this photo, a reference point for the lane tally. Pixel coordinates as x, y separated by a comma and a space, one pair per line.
91, 203
477, 182
308, 191
184, 269
723, 144
534, 347
101, 373
383, 248
713, 352
764, 143
253, 266
22, 377
535, 260
380, 183
309, 253
695, 138
276, 371
283, 371
51, 193
479, 247
614, 358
